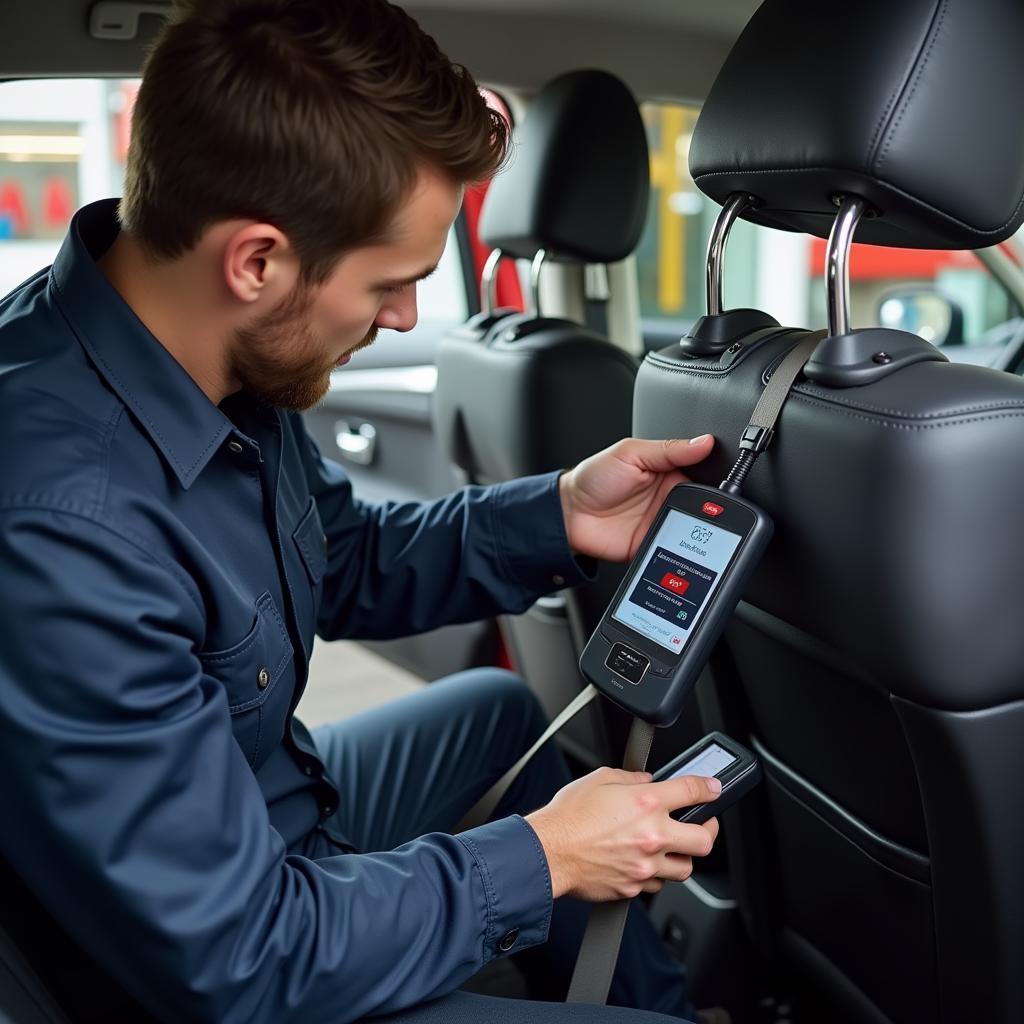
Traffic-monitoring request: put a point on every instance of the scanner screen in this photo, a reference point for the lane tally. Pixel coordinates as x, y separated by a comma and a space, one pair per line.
684, 565
711, 761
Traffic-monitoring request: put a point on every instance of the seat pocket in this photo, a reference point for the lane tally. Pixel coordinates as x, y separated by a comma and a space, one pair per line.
250, 672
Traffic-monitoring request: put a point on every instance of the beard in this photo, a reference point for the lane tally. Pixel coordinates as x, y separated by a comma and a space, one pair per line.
281, 361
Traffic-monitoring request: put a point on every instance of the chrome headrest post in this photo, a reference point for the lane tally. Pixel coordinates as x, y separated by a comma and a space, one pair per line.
489, 281
736, 203
837, 263
535, 267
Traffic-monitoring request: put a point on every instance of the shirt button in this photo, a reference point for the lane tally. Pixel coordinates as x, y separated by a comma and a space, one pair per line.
234, 447
559, 581
326, 811
308, 769
263, 679
509, 940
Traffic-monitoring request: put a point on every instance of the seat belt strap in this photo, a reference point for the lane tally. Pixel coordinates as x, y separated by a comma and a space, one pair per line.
766, 413
599, 951
484, 807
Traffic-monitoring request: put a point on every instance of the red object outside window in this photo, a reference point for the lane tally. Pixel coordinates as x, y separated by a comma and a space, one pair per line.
508, 292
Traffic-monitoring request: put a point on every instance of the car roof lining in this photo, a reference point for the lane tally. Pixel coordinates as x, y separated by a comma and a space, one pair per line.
666, 49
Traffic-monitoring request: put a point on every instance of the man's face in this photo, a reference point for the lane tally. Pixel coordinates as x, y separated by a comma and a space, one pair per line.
285, 357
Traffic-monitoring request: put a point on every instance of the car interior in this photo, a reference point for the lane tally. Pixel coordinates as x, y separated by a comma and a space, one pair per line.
676, 215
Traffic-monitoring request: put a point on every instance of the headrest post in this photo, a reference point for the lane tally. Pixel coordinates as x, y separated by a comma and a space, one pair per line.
595, 282
737, 202
837, 263
535, 267
489, 280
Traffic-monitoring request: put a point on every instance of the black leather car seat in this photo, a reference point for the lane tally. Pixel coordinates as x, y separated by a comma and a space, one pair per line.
877, 663
523, 393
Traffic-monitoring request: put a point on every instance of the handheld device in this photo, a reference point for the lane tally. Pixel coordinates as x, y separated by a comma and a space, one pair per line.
720, 757
674, 601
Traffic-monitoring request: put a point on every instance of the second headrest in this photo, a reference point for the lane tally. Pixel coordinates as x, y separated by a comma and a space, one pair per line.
578, 180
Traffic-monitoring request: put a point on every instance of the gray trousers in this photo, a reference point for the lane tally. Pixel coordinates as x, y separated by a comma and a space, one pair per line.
416, 765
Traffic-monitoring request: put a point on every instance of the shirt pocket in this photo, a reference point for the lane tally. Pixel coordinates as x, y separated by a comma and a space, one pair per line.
311, 541
251, 671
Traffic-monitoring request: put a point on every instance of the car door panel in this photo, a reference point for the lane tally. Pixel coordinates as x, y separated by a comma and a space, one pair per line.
376, 421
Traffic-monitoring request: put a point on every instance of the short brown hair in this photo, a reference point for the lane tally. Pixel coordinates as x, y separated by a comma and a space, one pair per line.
312, 115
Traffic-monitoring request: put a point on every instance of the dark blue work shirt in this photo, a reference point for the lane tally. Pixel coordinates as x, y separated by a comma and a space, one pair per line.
164, 565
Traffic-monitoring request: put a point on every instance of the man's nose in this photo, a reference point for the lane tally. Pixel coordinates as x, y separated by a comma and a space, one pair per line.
399, 313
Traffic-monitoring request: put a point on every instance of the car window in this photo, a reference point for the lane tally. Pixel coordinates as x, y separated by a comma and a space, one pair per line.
672, 252
947, 297
63, 144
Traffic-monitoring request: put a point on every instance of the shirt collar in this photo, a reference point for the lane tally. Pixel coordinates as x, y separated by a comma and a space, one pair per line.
172, 409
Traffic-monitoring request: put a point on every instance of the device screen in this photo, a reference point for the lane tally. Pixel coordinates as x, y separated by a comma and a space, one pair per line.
711, 761
671, 589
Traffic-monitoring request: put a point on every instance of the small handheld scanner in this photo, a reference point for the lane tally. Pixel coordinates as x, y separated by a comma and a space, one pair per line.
720, 757
673, 603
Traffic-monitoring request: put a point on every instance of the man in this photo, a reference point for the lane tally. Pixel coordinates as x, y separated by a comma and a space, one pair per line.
170, 539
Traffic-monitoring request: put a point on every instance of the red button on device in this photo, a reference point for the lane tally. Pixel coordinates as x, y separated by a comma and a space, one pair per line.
711, 509
670, 581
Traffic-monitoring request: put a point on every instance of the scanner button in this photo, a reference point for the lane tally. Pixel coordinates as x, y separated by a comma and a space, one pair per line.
626, 662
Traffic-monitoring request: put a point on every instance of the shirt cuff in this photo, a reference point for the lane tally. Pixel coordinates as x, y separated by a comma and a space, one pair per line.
516, 882
529, 527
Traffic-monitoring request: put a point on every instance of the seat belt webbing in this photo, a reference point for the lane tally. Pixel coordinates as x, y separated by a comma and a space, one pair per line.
776, 391
599, 951
484, 807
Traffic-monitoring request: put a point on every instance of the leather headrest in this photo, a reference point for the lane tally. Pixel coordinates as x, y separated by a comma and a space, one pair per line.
914, 105
578, 180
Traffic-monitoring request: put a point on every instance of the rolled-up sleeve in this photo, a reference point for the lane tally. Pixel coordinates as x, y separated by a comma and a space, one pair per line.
144, 832
397, 568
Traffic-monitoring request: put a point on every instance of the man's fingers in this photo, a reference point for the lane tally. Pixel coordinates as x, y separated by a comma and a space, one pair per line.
675, 868
663, 456
687, 791
689, 840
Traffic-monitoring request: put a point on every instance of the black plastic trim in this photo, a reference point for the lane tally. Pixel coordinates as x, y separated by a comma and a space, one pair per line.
862, 357
712, 335
674, 361
913, 866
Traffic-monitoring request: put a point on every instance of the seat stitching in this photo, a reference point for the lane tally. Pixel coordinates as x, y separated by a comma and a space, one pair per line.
951, 422
935, 32
962, 410
893, 96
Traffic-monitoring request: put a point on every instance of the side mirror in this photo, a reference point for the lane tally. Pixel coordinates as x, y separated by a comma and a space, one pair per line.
923, 311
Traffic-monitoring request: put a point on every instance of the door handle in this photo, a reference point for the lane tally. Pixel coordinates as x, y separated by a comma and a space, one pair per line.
357, 444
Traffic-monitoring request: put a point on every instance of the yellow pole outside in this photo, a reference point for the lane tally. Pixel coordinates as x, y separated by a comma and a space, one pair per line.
667, 177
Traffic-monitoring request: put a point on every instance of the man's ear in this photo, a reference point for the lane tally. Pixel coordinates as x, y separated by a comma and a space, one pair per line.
259, 262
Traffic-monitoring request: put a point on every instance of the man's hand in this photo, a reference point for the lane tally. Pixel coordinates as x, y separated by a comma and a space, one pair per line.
608, 836
610, 499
